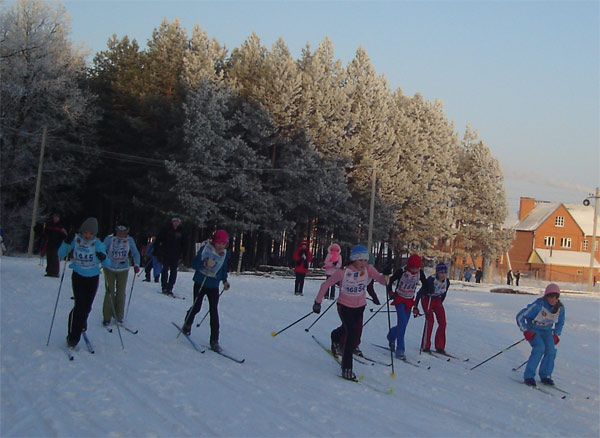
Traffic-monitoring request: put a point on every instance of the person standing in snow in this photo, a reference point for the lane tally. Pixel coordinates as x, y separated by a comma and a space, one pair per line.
468, 274
478, 275
88, 253
169, 247
517, 277
53, 234
351, 304
302, 258
509, 277
403, 297
541, 323
210, 264
119, 247
333, 262
432, 295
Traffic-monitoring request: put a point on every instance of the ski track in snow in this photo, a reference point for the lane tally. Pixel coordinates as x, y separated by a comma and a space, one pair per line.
160, 386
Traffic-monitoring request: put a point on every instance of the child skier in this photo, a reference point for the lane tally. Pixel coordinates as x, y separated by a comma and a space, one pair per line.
210, 264
541, 323
88, 253
333, 262
404, 299
351, 303
119, 247
432, 295
302, 258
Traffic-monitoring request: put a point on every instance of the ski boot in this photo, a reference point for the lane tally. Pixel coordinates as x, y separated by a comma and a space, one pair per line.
529, 382
335, 349
357, 352
440, 350
214, 346
547, 381
348, 374
186, 329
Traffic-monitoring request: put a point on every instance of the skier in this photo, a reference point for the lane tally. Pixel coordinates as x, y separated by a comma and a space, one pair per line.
53, 234
210, 264
404, 299
88, 254
169, 247
541, 323
351, 303
119, 247
432, 295
333, 262
302, 257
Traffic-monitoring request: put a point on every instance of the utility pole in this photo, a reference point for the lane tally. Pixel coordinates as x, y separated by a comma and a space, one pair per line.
37, 193
372, 211
586, 202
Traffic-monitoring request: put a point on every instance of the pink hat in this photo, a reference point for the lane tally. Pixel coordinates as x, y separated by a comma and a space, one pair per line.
552, 288
334, 246
220, 236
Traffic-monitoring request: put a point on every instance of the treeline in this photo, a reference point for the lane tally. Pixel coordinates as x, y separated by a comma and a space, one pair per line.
269, 147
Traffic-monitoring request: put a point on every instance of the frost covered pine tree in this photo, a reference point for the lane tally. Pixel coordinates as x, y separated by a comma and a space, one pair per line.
203, 58
41, 75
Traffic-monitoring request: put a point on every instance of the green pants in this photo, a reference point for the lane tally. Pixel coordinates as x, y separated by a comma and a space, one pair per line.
115, 283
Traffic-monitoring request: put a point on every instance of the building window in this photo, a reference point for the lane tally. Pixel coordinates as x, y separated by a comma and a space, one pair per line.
565, 242
559, 221
549, 241
586, 245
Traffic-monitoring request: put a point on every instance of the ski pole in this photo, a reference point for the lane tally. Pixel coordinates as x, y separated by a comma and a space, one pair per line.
295, 322
56, 304
516, 368
500, 352
130, 295
375, 313
387, 302
315, 321
112, 305
189, 312
208, 311
425, 325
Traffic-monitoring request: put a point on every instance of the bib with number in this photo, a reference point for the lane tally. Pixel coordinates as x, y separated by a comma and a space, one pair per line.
545, 317
84, 253
119, 249
407, 284
212, 260
355, 282
439, 287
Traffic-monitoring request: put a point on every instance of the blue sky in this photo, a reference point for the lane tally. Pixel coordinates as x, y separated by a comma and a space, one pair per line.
525, 74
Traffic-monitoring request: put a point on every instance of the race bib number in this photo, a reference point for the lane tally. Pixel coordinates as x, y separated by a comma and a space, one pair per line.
355, 283
407, 284
212, 260
119, 249
84, 254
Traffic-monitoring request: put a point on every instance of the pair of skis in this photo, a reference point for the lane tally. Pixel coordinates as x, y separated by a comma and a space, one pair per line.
123, 326
88, 344
405, 360
202, 348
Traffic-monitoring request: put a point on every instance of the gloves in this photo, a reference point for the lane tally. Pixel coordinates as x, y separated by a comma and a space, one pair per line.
528, 335
376, 300
70, 237
317, 307
303, 256
387, 269
136, 269
556, 339
415, 311
101, 256
392, 295
226, 285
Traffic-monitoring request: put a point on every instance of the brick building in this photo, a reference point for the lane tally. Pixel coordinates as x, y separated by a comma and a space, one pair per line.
553, 242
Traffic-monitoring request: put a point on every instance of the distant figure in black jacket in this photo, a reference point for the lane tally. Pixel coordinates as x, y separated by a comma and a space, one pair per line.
170, 247
53, 234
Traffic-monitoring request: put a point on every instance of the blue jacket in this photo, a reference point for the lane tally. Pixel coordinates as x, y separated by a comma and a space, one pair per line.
118, 251
538, 316
202, 263
433, 289
85, 262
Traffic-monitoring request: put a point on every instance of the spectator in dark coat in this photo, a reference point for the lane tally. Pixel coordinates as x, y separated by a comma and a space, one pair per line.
302, 258
53, 234
478, 275
170, 247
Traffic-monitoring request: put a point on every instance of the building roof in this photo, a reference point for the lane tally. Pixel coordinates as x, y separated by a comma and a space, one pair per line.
562, 258
584, 216
537, 216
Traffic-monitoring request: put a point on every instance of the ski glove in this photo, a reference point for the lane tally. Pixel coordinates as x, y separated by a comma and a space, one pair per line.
415, 311
100, 256
226, 285
528, 335
136, 269
556, 339
317, 307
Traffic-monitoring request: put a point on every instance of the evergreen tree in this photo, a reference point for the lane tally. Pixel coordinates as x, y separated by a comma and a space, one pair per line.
203, 58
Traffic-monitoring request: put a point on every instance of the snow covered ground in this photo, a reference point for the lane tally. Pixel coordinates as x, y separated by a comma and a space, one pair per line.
288, 386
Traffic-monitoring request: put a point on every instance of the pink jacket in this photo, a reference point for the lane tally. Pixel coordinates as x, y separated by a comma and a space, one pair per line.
332, 267
345, 298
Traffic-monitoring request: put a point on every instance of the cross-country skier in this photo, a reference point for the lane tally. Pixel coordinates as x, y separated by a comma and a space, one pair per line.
351, 303
403, 297
541, 323
432, 295
88, 254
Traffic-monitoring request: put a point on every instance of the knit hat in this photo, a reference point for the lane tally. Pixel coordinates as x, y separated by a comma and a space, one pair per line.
441, 268
552, 288
90, 225
359, 252
176, 219
220, 236
334, 246
414, 261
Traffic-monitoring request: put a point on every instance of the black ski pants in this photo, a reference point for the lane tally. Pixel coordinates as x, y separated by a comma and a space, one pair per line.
213, 307
84, 292
349, 332
299, 283
168, 275
52, 262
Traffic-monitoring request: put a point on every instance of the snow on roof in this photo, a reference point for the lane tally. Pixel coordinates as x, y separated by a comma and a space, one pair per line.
537, 216
584, 216
563, 258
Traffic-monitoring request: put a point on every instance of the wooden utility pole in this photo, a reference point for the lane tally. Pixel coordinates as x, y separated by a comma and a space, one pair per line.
37, 194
